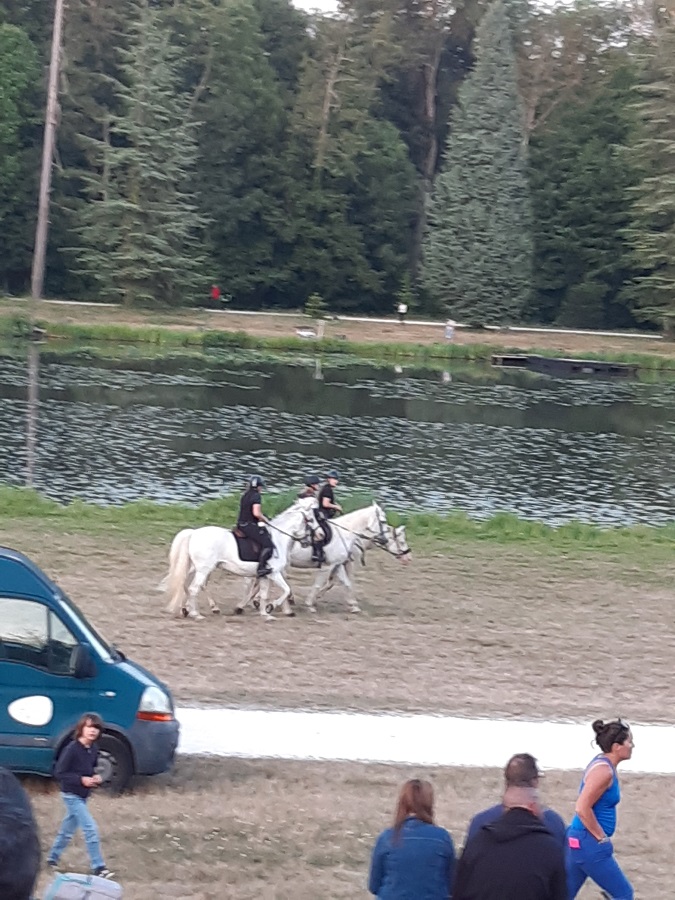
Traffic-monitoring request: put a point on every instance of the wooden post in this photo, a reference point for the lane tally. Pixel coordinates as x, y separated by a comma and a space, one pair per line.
51, 117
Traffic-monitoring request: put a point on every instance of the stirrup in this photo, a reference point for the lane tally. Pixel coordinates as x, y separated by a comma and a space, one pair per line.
261, 573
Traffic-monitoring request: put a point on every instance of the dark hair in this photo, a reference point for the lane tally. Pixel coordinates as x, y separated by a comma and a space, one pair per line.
609, 733
88, 719
416, 799
19, 841
521, 771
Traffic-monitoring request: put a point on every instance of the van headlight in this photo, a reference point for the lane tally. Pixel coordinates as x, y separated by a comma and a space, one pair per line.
155, 705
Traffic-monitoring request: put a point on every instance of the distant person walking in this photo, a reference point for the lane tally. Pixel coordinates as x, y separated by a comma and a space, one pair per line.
414, 860
450, 330
590, 853
75, 773
520, 771
215, 294
514, 857
402, 310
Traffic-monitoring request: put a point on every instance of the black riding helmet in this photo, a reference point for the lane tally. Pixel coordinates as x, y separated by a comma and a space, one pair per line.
312, 480
256, 481
333, 474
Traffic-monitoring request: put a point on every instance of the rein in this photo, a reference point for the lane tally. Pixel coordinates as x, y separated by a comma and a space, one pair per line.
379, 540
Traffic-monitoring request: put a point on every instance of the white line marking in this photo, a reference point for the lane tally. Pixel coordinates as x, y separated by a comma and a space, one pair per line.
412, 740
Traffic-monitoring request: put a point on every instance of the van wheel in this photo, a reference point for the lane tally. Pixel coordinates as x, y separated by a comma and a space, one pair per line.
115, 765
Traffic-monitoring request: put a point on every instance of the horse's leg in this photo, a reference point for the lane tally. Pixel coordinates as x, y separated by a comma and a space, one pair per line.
266, 608
282, 600
318, 589
344, 575
251, 589
199, 580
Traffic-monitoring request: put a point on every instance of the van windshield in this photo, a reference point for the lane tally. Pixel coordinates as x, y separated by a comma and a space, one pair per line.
98, 643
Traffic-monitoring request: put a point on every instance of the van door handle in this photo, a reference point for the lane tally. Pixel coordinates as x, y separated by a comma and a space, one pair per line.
108, 694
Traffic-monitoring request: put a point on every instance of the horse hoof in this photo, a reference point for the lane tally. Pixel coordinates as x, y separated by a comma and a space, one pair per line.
196, 617
290, 615
184, 612
311, 609
215, 611
256, 604
269, 608
238, 611
355, 609
268, 618
291, 600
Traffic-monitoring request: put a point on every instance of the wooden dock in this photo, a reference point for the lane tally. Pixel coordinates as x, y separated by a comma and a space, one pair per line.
565, 368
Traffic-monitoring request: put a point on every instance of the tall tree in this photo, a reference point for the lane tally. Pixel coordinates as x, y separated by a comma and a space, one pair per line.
579, 177
478, 251
140, 228
652, 229
19, 71
241, 172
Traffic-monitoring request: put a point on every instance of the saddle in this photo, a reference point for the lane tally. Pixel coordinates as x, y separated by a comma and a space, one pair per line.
249, 550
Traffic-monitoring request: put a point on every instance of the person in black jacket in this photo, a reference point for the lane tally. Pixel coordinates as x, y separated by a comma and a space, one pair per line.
19, 841
514, 857
76, 774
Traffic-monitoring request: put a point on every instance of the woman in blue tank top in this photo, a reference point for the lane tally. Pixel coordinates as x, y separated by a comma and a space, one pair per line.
590, 853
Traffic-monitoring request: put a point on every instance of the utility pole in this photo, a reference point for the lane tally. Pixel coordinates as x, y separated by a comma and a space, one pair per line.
51, 118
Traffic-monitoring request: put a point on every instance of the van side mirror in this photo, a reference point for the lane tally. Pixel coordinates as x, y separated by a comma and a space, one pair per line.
81, 663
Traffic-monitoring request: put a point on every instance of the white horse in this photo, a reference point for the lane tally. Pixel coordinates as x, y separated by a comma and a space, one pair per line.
196, 552
352, 534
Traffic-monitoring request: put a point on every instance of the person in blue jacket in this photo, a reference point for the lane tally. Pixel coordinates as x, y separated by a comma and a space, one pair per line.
520, 771
590, 853
75, 772
414, 860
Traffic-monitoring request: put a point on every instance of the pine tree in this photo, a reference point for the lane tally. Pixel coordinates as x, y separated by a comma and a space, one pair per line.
652, 230
579, 178
478, 249
19, 70
140, 229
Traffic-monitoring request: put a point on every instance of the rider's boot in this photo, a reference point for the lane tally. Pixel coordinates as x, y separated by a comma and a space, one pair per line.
263, 568
318, 556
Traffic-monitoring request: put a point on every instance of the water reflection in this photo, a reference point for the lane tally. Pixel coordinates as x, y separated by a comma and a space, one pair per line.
547, 449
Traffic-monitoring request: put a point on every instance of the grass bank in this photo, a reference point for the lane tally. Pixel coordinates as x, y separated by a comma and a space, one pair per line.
157, 522
206, 332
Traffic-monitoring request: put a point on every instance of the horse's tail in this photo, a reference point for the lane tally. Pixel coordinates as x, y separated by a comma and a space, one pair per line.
173, 553
179, 567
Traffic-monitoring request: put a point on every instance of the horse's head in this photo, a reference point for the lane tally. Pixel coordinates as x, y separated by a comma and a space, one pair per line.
397, 543
309, 527
376, 528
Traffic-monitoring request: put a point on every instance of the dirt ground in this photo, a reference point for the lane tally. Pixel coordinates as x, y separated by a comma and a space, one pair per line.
475, 630
360, 331
480, 629
253, 830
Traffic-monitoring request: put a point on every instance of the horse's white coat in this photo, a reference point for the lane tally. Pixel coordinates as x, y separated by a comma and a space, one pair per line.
196, 552
420, 740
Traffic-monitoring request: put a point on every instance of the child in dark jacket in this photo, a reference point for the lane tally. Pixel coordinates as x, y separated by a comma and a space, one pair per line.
414, 860
75, 772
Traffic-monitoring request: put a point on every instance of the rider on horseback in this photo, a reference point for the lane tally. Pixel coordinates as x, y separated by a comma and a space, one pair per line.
328, 508
312, 483
252, 522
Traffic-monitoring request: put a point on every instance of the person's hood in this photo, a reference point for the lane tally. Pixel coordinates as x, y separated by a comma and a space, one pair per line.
515, 824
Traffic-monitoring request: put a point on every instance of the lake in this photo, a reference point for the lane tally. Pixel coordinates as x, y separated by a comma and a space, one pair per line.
474, 439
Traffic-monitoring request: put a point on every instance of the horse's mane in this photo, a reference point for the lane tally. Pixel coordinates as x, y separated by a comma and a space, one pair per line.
349, 517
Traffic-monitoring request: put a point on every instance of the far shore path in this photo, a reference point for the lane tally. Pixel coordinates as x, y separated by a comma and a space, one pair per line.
350, 328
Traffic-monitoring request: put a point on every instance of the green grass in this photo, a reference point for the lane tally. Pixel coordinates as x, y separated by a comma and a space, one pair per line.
155, 522
18, 326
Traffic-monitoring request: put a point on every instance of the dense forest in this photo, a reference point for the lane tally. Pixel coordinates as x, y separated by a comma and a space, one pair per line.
498, 162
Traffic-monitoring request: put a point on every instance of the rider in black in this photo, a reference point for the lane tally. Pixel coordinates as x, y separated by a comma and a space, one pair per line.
311, 489
328, 508
252, 522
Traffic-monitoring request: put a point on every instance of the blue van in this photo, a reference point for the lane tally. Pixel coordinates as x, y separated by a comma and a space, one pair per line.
54, 667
